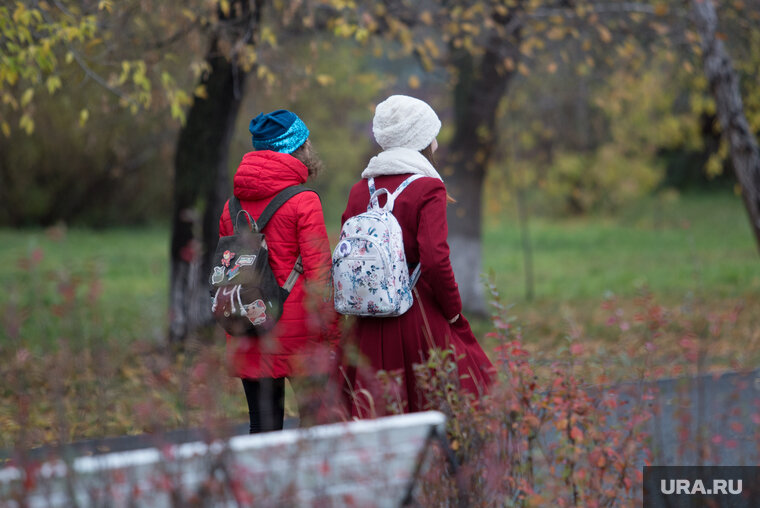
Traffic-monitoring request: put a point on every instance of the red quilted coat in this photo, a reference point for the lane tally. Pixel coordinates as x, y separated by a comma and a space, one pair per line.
397, 343
298, 227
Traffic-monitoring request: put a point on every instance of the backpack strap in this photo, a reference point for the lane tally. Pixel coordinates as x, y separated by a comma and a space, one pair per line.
405, 184
415, 275
374, 193
267, 214
280, 199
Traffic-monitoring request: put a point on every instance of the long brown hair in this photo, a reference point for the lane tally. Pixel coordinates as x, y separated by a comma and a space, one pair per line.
306, 154
430, 156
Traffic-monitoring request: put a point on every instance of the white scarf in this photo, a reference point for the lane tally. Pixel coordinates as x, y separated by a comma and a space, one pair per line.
400, 161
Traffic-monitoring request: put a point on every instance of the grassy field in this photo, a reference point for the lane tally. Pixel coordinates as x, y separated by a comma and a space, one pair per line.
90, 308
689, 244
130, 267
693, 245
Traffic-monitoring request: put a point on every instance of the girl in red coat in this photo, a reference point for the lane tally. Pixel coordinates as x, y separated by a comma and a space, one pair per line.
406, 129
283, 158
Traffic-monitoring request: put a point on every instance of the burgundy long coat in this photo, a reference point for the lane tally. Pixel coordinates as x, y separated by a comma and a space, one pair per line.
397, 343
297, 345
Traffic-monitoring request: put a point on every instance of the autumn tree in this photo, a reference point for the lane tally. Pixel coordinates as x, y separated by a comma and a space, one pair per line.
189, 59
201, 183
724, 86
481, 46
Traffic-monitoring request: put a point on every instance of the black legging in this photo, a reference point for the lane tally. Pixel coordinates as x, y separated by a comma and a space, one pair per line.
266, 403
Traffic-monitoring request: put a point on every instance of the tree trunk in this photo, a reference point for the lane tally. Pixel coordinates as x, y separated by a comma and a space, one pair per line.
201, 181
477, 95
724, 85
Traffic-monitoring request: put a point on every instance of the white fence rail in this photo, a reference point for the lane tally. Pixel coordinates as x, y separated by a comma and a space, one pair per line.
364, 463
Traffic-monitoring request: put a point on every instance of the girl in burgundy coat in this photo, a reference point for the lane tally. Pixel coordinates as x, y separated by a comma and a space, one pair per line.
406, 129
296, 348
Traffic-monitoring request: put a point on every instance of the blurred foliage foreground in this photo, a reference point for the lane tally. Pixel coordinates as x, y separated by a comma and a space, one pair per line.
82, 355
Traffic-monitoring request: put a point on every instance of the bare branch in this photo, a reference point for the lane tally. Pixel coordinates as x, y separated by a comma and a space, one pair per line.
100, 80
86, 68
179, 34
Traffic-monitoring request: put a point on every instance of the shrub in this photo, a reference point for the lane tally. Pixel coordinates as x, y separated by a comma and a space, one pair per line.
534, 439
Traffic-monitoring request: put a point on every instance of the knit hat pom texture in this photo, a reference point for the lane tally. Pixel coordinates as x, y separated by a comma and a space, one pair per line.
406, 122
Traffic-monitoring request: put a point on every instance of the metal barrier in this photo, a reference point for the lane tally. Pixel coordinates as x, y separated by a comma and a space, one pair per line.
362, 463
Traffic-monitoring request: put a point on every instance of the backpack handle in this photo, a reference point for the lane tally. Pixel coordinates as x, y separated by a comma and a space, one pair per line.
251, 223
374, 202
374, 194
235, 210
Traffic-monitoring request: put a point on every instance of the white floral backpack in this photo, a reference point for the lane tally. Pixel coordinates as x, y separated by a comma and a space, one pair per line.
369, 270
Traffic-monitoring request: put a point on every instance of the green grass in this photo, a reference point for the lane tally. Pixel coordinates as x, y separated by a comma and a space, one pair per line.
131, 265
689, 244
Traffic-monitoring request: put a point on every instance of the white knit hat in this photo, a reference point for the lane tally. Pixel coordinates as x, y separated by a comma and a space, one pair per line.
403, 121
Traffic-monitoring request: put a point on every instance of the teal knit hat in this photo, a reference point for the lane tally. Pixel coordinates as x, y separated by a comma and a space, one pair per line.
280, 131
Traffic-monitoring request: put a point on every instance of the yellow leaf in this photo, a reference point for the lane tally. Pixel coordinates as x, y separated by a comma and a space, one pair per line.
555, 33
224, 5
6, 129
69, 57
201, 92
414, 82
604, 34
714, 166
53, 83
426, 17
325, 80
84, 115
26, 123
27, 97
362, 34
268, 36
